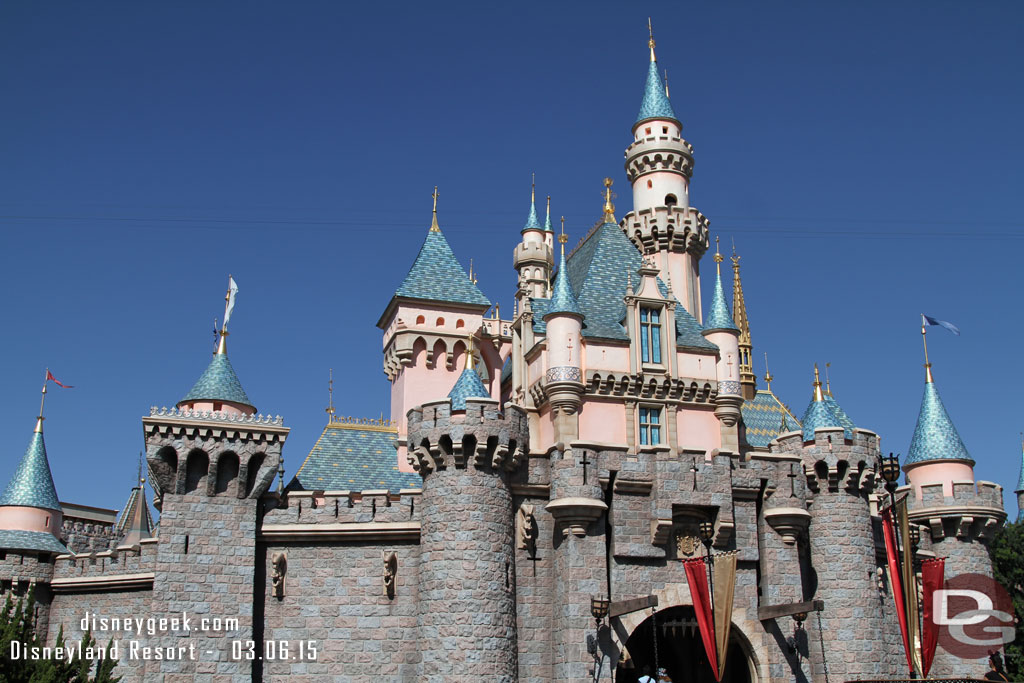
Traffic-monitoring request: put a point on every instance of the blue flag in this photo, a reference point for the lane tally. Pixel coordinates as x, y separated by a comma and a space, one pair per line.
926, 320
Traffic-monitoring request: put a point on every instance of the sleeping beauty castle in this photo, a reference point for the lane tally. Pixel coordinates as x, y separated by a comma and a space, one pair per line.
594, 486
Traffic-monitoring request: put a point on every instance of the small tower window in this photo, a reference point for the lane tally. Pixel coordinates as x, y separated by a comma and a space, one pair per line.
420, 320
647, 131
650, 426
670, 200
460, 323
664, 130
649, 184
650, 335
440, 322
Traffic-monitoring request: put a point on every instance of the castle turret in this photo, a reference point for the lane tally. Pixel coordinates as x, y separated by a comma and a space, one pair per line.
659, 164
721, 331
30, 524
564, 376
839, 466
532, 257
209, 468
466, 448
135, 523
425, 326
748, 380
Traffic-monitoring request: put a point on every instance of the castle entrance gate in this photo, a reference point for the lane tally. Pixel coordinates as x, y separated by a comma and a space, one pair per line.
680, 651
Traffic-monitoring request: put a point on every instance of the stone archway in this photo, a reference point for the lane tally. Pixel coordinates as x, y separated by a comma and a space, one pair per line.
670, 640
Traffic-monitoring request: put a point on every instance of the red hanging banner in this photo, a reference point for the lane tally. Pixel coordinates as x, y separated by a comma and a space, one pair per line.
932, 571
889, 531
697, 578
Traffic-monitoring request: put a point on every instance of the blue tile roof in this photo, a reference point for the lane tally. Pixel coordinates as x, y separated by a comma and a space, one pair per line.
837, 410
506, 370
39, 541
468, 385
563, 299
354, 458
719, 317
765, 418
819, 415
218, 383
437, 275
1020, 479
32, 483
597, 271
547, 220
935, 437
655, 104
532, 222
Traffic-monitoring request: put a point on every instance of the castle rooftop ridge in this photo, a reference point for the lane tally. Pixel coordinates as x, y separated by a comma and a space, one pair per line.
215, 416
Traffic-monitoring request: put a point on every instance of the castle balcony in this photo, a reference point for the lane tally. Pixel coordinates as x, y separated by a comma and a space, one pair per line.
659, 153
671, 228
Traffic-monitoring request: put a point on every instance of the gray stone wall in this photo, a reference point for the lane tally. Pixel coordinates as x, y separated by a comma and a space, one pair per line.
534, 596
334, 597
22, 571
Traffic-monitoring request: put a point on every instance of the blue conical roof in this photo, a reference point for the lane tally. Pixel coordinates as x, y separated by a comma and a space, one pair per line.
818, 416
218, 383
547, 220
655, 104
32, 483
840, 414
468, 385
719, 317
532, 222
436, 275
1020, 479
935, 437
563, 299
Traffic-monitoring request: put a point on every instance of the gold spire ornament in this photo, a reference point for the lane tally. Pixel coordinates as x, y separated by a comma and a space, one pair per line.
609, 208
42, 402
650, 41
563, 238
748, 379
828, 383
666, 84
768, 377
434, 227
533, 188
470, 354
718, 258
818, 396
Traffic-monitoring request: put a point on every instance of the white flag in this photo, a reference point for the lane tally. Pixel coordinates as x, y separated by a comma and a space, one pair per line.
232, 292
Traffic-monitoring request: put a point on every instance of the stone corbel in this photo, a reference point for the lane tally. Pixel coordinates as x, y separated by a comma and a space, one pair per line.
964, 527
788, 522
574, 515
660, 531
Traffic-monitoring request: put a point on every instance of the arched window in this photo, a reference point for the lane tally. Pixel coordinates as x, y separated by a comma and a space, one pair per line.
420, 320
670, 200
460, 323
440, 322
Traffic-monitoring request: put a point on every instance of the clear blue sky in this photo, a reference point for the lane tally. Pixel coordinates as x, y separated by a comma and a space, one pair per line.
864, 156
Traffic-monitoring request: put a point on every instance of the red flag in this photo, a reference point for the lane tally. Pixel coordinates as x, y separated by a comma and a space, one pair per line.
697, 577
889, 531
51, 378
932, 580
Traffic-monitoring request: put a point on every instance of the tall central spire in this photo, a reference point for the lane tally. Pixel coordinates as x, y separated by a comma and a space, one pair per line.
655, 104
739, 315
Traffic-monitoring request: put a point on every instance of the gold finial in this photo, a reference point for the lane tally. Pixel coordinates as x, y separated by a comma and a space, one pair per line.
222, 343
42, 402
142, 479
330, 395
533, 188
650, 41
472, 275
549, 205
666, 83
735, 259
768, 377
927, 363
818, 397
609, 208
828, 383
470, 351
563, 238
433, 221
718, 257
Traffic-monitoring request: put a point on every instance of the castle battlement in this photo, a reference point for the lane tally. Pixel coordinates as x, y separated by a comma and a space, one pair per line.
345, 507
440, 437
133, 559
676, 228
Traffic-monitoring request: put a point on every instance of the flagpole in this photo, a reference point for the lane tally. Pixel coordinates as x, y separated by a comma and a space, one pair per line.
42, 402
927, 363
222, 343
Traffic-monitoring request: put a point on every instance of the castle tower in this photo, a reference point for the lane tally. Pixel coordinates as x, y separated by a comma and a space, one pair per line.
466, 449
748, 380
30, 524
721, 331
532, 257
961, 514
839, 465
135, 523
210, 459
425, 327
659, 164
564, 376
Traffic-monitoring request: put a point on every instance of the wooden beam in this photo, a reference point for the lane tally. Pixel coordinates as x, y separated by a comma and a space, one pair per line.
620, 607
775, 611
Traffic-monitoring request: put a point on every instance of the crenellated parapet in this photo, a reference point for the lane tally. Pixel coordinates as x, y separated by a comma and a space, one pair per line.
343, 516
211, 452
480, 436
122, 567
652, 153
832, 462
677, 229
972, 512
608, 383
